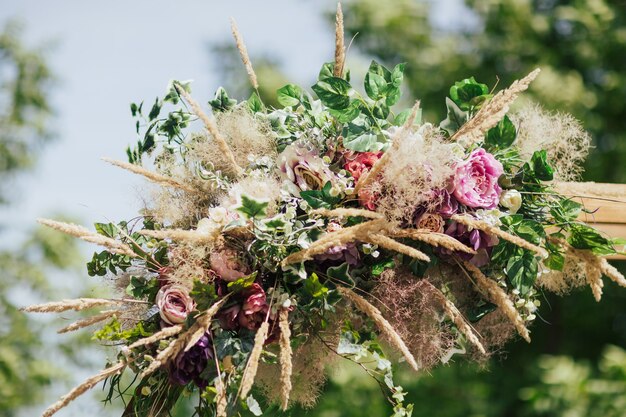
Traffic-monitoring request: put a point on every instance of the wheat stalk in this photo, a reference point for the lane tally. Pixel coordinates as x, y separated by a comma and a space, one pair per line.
79, 324
286, 367
340, 50
154, 177
249, 374
77, 304
243, 51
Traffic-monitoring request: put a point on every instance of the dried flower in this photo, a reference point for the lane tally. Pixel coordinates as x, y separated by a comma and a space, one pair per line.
174, 303
429, 221
476, 180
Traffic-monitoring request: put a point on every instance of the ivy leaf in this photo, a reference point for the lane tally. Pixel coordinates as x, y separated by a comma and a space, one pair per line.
290, 95
314, 287
556, 259
252, 208
341, 274
222, 102
367, 142
502, 135
542, 170
586, 237
455, 119
334, 92
320, 198
380, 267
522, 272
172, 95
349, 114
567, 211
468, 93
243, 282
381, 110
255, 104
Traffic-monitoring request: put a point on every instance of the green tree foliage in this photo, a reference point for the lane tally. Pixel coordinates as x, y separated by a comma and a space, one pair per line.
24, 112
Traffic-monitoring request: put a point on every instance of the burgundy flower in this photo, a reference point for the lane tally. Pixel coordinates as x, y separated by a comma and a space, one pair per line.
194, 365
447, 206
254, 308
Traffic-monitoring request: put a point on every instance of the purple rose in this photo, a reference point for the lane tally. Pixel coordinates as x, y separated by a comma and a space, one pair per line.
476, 180
478, 240
302, 169
347, 253
447, 205
194, 365
174, 303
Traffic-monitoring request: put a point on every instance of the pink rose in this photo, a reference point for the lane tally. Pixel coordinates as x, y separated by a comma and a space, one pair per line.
476, 180
174, 303
226, 264
361, 163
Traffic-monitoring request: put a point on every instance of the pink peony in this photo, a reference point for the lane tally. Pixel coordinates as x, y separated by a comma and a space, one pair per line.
361, 163
174, 303
476, 180
226, 264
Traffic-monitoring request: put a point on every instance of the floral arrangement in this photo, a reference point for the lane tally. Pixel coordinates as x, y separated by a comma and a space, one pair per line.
278, 240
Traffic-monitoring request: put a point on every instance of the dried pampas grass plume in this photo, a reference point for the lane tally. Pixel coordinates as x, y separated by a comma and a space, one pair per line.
243, 51
249, 374
211, 127
162, 334
382, 323
65, 305
87, 235
154, 177
433, 239
340, 49
347, 212
499, 297
559, 134
286, 366
84, 387
388, 243
88, 321
492, 112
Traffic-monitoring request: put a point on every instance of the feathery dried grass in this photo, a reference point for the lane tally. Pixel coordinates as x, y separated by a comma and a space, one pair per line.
611, 272
154, 177
249, 374
87, 235
221, 400
492, 112
388, 243
340, 50
160, 335
202, 324
346, 212
286, 366
182, 235
79, 324
65, 305
499, 297
258, 187
438, 240
243, 51
382, 323
211, 127
486, 227
559, 134
84, 387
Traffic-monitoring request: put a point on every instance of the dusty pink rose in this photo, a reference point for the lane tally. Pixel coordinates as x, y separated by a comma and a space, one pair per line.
254, 308
476, 180
302, 169
174, 303
360, 163
226, 264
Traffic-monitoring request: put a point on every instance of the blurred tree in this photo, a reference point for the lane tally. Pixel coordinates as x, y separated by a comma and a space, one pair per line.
25, 80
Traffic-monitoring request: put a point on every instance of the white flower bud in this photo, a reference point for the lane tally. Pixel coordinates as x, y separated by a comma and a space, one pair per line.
512, 200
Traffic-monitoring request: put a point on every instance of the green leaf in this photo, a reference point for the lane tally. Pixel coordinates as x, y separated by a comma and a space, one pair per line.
222, 102
349, 114
381, 110
530, 230
375, 86
522, 272
243, 282
334, 92
455, 118
328, 69
172, 95
542, 170
586, 237
567, 211
502, 135
320, 198
380, 267
468, 93
556, 259
142, 288
480, 311
203, 294
367, 142
290, 95
252, 208
403, 116
255, 104
341, 274
155, 110
314, 287
107, 229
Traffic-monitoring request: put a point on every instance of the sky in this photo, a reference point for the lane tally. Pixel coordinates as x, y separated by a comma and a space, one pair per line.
108, 54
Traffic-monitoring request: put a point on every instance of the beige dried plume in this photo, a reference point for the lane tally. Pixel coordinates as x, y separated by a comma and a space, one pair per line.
84, 387
249, 373
243, 51
162, 334
340, 49
87, 235
347, 212
382, 323
77, 304
154, 177
211, 127
433, 239
79, 324
499, 297
492, 112
286, 366
183, 235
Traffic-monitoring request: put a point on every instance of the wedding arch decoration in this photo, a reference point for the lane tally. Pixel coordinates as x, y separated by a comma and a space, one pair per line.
277, 240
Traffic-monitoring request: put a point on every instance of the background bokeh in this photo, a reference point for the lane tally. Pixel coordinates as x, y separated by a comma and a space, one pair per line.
69, 69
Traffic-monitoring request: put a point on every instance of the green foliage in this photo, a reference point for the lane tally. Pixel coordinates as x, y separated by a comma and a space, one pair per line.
469, 94
321, 198
503, 135
252, 208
